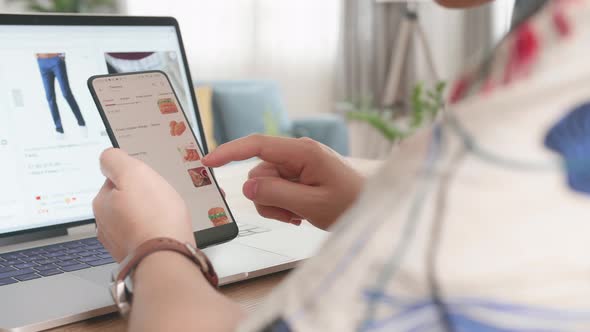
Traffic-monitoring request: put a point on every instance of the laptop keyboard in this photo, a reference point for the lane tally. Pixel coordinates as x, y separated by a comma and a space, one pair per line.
23, 265
247, 230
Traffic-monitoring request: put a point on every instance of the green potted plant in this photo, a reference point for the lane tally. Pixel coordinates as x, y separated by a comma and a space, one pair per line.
389, 125
69, 6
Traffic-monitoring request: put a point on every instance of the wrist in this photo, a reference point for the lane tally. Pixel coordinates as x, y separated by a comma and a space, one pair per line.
159, 264
163, 265
141, 239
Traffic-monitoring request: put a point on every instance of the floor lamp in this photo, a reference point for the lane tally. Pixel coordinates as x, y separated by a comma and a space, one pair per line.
409, 28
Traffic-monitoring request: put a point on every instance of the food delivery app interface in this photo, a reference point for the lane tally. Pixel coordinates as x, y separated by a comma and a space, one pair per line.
149, 124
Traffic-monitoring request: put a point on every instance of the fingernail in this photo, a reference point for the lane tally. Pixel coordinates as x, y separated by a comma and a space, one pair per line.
296, 222
204, 159
249, 189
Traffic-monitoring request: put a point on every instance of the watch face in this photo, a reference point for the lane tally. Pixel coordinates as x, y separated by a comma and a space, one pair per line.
119, 293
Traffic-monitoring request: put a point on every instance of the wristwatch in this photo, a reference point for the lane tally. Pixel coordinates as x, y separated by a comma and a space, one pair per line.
121, 286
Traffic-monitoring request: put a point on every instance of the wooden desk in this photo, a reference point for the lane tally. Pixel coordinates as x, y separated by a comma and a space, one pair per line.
248, 293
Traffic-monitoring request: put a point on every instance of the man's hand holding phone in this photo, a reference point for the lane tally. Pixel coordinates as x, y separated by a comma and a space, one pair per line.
136, 204
143, 117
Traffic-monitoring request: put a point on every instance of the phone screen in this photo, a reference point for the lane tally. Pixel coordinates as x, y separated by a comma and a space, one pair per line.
145, 119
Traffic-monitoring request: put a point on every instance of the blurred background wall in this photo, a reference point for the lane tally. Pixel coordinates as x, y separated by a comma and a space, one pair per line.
319, 53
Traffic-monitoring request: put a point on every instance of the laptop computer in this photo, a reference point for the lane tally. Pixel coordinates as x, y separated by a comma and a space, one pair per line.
53, 271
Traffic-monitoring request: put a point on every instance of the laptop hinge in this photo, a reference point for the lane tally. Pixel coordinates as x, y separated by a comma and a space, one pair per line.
33, 236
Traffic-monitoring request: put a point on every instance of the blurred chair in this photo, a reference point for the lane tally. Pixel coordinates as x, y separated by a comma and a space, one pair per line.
204, 95
234, 109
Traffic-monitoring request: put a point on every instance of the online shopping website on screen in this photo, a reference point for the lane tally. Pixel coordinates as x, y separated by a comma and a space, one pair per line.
50, 131
147, 122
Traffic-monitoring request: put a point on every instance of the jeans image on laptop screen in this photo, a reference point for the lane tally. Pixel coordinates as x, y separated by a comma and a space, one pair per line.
53, 67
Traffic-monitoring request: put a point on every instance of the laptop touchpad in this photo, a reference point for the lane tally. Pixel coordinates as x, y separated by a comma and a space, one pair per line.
232, 258
299, 244
100, 275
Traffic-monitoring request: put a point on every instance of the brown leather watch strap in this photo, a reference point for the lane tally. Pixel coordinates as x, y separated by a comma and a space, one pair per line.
121, 295
159, 244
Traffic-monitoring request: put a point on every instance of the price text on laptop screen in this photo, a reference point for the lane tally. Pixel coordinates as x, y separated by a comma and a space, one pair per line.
147, 122
50, 131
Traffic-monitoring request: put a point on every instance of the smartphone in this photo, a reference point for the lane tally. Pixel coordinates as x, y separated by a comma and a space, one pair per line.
143, 117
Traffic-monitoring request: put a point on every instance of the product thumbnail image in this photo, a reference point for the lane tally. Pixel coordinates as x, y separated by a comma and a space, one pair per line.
177, 128
199, 176
189, 153
167, 106
218, 216
52, 66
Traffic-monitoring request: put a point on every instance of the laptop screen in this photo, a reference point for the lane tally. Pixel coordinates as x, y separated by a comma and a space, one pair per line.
50, 131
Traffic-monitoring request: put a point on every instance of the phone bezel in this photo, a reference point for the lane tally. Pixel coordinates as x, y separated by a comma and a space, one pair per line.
205, 237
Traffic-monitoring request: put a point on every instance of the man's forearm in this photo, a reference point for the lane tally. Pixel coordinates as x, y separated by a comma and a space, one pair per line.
171, 294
